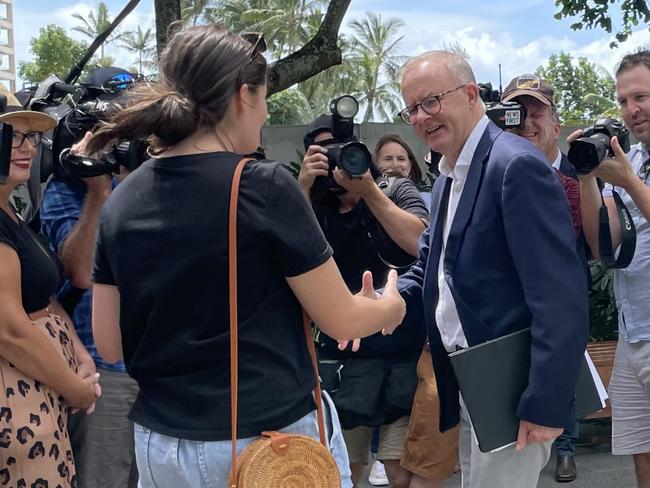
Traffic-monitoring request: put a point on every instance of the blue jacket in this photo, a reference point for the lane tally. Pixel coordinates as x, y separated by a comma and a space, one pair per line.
510, 263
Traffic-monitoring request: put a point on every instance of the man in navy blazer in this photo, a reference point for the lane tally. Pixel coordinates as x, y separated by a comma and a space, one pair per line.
499, 255
542, 128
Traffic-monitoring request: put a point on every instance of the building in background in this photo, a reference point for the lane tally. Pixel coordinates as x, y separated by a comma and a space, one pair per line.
7, 54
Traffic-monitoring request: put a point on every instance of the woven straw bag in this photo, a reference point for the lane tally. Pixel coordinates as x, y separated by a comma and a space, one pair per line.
276, 459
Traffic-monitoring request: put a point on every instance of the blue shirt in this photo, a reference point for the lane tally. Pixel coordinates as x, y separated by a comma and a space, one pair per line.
631, 284
60, 212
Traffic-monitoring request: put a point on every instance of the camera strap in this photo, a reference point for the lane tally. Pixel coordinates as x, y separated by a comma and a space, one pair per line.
628, 235
400, 259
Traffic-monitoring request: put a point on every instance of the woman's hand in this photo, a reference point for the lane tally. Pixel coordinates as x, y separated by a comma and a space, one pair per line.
368, 291
88, 370
85, 394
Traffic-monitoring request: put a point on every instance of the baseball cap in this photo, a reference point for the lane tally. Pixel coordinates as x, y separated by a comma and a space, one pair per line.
323, 123
531, 85
38, 120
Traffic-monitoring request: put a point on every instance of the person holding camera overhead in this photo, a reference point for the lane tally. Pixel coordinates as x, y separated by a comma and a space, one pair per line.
44, 367
629, 175
161, 286
102, 443
372, 223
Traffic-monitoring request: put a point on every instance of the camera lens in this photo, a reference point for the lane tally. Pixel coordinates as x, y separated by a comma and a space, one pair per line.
354, 159
588, 152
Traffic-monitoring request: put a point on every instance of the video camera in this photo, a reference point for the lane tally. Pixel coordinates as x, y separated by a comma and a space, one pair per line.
587, 152
507, 115
78, 108
345, 151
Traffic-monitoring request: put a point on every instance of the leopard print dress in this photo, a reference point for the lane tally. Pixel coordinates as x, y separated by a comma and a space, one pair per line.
35, 448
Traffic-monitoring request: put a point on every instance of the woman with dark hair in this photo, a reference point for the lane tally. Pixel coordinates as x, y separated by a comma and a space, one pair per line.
394, 157
160, 293
44, 368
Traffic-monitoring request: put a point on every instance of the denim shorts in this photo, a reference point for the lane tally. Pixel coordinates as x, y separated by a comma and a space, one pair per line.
168, 462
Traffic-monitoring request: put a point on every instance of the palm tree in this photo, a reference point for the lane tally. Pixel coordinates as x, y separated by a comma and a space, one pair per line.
338, 80
143, 43
374, 46
287, 23
193, 10
230, 13
95, 24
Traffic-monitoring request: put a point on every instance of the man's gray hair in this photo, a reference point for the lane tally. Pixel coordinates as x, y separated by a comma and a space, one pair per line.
457, 64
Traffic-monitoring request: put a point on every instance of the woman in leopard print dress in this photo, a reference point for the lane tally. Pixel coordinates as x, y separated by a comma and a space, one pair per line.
44, 368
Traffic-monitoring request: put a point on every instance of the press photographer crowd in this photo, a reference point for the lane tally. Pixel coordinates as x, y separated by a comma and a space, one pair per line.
181, 311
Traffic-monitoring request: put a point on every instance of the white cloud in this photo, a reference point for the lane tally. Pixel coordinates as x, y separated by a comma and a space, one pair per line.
489, 42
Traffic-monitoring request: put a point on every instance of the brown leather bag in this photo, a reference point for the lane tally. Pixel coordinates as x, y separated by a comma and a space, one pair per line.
275, 460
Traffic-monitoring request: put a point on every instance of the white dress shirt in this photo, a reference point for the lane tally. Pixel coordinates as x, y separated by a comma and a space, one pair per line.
446, 314
558, 161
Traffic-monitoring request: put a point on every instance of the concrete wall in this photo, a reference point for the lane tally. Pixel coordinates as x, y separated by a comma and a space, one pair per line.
284, 142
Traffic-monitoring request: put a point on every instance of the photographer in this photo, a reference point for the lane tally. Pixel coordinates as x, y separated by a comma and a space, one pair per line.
103, 443
542, 127
628, 175
377, 376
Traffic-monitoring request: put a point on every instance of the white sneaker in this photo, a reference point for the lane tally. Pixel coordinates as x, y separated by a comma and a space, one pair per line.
377, 476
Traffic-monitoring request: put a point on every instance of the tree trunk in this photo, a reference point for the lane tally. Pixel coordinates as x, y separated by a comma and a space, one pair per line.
167, 12
320, 53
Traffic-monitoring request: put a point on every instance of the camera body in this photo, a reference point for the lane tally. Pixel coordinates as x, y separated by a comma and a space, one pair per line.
588, 151
507, 115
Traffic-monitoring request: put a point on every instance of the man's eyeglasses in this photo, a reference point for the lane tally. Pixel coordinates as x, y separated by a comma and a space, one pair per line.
259, 46
18, 139
430, 105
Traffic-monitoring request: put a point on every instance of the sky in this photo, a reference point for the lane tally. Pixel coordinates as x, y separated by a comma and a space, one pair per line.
520, 35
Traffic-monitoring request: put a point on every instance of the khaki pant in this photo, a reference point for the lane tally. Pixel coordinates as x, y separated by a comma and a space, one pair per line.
428, 452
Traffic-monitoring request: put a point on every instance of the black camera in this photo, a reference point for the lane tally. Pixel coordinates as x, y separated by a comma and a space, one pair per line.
78, 109
587, 152
345, 151
507, 115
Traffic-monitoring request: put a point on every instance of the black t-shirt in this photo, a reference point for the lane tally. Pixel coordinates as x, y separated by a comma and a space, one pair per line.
354, 250
39, 274
163, 241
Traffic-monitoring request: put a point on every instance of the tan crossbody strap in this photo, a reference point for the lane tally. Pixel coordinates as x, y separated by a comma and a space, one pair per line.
234, 352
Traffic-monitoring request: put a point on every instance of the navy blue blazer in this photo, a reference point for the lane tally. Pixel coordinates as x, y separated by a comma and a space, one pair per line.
511, 263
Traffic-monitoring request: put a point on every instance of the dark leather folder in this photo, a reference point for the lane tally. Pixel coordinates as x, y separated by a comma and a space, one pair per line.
492, 377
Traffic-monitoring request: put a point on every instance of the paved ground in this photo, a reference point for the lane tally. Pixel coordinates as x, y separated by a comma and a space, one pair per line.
597, 468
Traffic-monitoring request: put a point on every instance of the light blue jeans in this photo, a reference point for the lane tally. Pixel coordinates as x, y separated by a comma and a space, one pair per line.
168, 462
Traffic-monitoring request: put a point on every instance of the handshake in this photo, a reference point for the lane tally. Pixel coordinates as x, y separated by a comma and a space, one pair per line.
389, 293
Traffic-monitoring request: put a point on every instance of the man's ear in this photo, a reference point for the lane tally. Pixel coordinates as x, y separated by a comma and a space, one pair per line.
473, 92
557, 129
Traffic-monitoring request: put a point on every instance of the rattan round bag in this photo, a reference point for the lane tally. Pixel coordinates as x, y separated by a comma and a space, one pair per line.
278, 460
